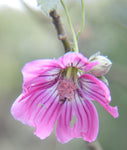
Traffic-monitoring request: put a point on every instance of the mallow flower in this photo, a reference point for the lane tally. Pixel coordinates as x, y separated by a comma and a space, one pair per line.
56, 92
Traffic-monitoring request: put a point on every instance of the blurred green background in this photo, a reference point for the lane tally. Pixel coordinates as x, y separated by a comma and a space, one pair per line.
26, 36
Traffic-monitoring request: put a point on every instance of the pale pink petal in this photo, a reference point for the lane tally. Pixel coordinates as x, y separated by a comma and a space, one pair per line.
86, 125
38, 109
94, 89
38, 67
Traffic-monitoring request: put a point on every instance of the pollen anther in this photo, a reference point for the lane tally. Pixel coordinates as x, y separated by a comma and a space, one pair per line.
66, 90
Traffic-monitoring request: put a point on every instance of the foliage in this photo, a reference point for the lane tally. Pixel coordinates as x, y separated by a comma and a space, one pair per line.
47, 5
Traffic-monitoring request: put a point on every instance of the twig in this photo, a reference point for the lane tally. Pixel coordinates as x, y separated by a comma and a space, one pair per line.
60, 31
94, 146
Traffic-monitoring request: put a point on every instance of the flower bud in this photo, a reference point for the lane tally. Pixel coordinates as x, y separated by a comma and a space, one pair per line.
103, 67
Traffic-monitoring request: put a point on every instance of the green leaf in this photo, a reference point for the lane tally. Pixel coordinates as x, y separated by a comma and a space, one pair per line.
47, 5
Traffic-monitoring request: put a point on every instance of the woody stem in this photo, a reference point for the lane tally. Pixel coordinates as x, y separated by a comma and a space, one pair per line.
60, 30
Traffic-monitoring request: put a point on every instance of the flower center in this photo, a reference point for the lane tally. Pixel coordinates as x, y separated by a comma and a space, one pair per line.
66, 90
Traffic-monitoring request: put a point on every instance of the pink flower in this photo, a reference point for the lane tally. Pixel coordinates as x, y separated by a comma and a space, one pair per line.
59, 91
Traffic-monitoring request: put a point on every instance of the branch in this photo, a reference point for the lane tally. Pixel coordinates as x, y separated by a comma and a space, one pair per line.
94, 146
60, 31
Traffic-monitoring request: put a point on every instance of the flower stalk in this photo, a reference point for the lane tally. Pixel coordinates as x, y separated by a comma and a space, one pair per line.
94, 145
75, 48
83, 19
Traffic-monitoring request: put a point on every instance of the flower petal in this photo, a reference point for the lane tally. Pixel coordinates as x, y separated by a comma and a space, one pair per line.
45, 77
86, 125
37, 67
94, 89
72, 59
38, 109
63, 129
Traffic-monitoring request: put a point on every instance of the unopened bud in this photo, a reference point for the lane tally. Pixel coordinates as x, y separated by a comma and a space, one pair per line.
103, 67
